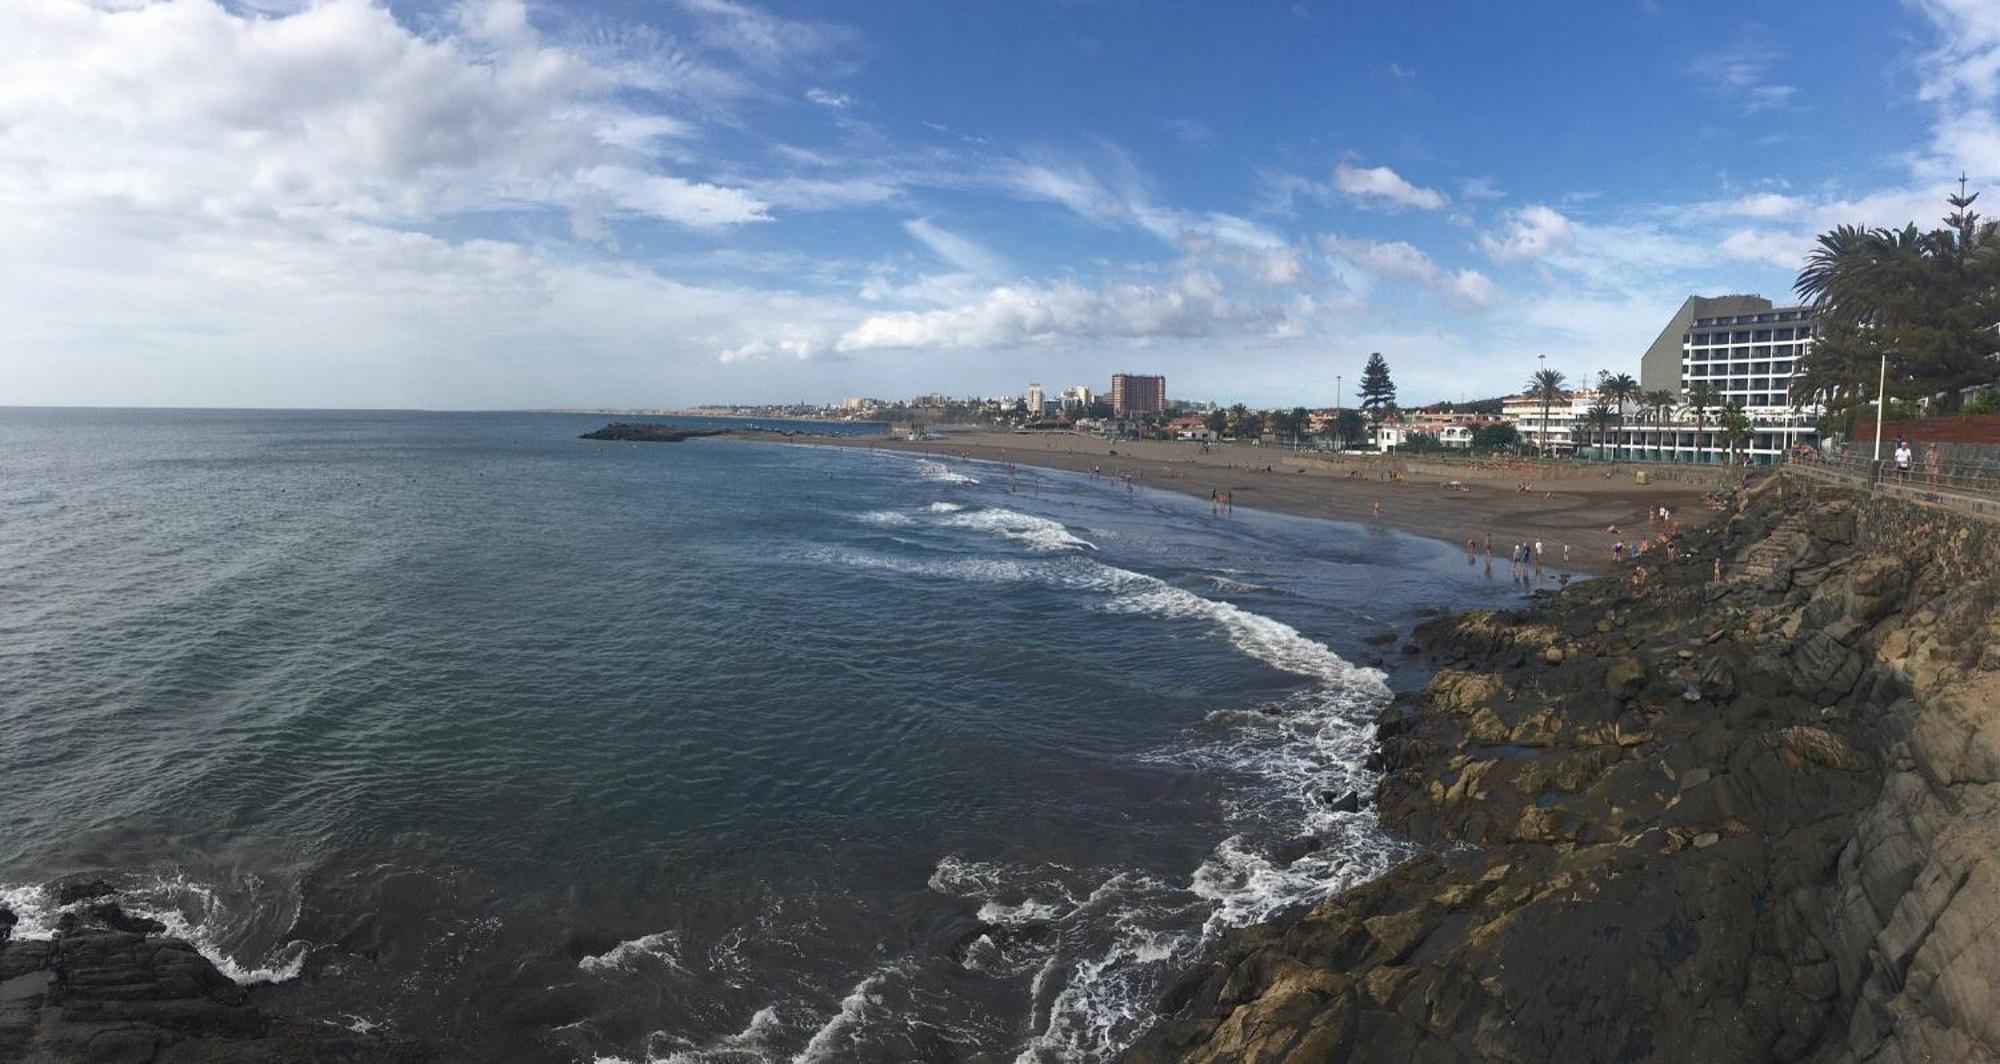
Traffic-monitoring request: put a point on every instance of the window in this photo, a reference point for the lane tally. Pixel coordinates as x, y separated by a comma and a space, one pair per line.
1763, 335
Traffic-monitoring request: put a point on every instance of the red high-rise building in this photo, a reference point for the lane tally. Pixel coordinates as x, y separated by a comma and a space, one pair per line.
1134, 394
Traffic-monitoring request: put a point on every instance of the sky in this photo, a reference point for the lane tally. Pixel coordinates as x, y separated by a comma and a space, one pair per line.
499, 204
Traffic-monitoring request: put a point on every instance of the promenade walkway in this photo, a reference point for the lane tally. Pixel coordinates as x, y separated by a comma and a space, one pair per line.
1964, 487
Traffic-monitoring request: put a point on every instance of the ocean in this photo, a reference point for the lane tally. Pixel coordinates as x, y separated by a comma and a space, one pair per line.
563, 750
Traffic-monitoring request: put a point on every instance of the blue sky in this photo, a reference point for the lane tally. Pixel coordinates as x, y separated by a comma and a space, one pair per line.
498, 204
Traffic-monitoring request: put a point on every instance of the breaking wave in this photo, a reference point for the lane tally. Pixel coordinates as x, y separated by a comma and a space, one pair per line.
663, 946
1038, 533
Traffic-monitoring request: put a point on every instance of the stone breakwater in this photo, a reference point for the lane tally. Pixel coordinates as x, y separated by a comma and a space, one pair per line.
1689, 820
649, 432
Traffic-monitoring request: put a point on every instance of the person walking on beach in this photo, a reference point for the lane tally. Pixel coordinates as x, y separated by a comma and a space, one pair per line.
1618, 551
1565, 554
1489, 545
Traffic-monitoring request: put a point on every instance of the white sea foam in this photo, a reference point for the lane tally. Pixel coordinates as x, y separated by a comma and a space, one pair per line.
962, 878
663, 946
1094, 987
887, 518
1229, 586
942, 473
977, 570
944, 508
838, 1037
1038, 533
755, 1044
1096, 957
168, 899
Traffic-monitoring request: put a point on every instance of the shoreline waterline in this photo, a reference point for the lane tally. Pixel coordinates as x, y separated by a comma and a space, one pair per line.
1578, 510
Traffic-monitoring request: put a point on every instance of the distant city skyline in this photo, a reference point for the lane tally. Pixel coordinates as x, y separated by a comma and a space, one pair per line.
492, 204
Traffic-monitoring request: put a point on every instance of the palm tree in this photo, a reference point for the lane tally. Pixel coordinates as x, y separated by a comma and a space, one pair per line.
1546, 385
1735, 428
1617, 391
1700, 400
1923, 300
1598, 417
1660, 402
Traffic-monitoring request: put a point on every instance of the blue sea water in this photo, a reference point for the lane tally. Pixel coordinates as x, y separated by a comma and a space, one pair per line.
716, 751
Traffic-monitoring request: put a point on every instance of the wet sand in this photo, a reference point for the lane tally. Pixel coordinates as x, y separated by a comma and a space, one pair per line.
1448, 500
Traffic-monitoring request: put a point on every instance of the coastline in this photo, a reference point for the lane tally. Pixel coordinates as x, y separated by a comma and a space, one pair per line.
1736, 819
1564, 505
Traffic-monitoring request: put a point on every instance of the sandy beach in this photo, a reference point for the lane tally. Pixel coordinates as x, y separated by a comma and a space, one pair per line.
1447, 499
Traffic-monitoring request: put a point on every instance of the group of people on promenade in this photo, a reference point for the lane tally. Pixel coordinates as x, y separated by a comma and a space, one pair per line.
1904, 455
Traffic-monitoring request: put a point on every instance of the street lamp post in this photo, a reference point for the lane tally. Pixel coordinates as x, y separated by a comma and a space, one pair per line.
1881, 404
1339, 400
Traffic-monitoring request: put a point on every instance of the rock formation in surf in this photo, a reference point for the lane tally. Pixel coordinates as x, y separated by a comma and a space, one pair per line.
110, 988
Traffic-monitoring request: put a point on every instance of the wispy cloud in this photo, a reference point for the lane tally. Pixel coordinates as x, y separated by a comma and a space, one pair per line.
963, 252
1742, 75
1466, 291
1381, 186
1192, 132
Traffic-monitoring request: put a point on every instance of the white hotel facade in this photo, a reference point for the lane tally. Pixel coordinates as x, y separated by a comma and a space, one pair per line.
1743, 346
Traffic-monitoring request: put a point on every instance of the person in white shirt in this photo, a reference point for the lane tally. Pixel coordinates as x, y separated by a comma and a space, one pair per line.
1902, 459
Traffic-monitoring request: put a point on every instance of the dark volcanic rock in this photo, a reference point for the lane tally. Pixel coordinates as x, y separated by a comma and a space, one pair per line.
1746, 821
71, 891
110, 990
112, 916
648, 432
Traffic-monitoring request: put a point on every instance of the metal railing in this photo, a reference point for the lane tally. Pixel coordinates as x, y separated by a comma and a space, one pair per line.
1924, 477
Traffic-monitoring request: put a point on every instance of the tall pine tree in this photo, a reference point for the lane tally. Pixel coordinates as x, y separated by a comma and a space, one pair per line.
1378, 392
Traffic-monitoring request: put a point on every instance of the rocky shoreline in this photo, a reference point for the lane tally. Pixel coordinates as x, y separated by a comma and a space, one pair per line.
113, 988
1689, 820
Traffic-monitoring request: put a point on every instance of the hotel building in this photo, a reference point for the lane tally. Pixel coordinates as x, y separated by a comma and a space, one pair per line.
1135, 394
1747, 350
1565, 419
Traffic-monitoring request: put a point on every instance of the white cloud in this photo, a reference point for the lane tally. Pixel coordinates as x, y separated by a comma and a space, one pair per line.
1784, 250
337, 110
1466, 291
1764, 205
1531, 232
1014, 315
1379, 184
692, 204
836, 101
1964, 67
